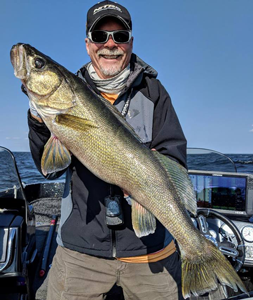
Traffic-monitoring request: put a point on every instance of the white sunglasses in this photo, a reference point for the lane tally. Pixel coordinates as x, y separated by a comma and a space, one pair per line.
102, 36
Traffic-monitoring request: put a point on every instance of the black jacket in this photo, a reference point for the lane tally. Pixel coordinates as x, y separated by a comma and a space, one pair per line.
148, 109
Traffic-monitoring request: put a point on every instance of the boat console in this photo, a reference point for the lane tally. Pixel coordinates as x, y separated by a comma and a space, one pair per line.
226, 192
230, 194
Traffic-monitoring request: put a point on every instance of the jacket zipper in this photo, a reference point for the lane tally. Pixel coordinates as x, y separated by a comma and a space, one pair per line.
113, 243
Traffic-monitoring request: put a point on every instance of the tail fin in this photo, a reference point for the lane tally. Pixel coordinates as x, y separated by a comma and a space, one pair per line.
200, 274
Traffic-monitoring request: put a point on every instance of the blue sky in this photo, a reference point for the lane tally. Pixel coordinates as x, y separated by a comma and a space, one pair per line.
202, 50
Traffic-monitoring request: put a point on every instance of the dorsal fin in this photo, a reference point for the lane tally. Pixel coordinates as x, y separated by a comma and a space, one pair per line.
180, 181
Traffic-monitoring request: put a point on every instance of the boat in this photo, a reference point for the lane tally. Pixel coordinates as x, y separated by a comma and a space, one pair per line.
30, 214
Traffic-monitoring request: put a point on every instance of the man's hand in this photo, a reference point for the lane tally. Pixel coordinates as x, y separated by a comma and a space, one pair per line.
34, 112
125, 193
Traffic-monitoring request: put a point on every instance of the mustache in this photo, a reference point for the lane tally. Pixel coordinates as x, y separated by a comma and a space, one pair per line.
110, 52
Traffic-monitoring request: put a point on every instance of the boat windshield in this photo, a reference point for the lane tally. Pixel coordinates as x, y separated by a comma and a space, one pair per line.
10, 183
209, 160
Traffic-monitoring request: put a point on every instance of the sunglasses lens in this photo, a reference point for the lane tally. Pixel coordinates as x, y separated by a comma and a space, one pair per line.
121, 36
99, 36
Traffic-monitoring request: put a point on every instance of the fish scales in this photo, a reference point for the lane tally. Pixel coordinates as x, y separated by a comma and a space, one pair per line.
94, 132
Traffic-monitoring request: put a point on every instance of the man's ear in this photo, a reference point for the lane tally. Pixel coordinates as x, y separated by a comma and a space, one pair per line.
132, 42
87, 45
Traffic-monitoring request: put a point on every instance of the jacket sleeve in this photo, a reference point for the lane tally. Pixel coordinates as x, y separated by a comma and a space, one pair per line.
38, 136
168, 137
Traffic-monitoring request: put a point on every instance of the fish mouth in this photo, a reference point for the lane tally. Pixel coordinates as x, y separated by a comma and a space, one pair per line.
18, 60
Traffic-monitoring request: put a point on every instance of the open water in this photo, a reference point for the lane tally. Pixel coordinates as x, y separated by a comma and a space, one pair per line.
29, 173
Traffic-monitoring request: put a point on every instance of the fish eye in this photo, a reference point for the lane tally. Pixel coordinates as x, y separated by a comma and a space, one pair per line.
39, 63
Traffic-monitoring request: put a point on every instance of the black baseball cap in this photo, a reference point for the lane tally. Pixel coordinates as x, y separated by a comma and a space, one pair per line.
107, 9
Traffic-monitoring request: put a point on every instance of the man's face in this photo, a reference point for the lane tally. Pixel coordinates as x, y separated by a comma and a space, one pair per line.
109, 59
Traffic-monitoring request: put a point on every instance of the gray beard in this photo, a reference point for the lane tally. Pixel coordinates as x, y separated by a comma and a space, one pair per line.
112, 85
110, 71
113, 71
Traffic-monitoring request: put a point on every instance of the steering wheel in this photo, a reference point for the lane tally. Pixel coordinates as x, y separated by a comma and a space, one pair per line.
237, 253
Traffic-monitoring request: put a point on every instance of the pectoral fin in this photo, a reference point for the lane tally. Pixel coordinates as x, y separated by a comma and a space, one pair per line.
74, 122
143, 221
56, 157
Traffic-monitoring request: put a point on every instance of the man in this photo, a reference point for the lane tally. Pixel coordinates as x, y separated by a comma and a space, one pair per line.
93, 253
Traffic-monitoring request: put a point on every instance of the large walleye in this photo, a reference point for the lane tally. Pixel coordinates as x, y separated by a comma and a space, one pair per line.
92, 129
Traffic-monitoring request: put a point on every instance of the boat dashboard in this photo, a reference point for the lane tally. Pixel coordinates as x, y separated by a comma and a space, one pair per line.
231, 195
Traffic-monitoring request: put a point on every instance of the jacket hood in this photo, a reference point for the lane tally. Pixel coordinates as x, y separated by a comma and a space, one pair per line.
147, 68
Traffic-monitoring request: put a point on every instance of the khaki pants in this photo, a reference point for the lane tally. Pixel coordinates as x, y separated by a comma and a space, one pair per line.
77, 276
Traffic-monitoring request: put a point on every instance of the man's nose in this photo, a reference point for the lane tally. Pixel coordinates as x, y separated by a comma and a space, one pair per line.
110, 43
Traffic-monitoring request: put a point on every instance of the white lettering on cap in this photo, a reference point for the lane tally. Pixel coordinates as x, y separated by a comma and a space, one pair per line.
107, 6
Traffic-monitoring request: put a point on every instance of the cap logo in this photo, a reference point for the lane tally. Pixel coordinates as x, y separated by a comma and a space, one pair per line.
107, 6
